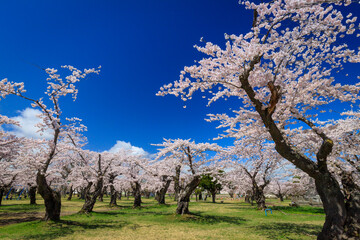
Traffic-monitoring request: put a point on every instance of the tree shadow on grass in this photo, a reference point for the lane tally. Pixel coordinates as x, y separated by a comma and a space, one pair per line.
141, 212
20, 207
4, 222
152, 213
65, 227
283, 230
198, 217
307, 210
219, 202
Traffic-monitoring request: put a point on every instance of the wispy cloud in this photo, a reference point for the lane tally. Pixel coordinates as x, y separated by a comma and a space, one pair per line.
28, 119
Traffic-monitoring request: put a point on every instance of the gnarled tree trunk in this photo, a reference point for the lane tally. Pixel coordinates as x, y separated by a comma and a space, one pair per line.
71, 191
114, 196
2, 191
51, 198
259, 197
184, 197
137, 194
213, 196
160, 195
334, 206
91, 196
352, 206
32, 194
177, 182
113, 192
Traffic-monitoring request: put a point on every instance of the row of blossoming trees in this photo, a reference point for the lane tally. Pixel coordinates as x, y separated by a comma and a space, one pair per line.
282, 71
61, 163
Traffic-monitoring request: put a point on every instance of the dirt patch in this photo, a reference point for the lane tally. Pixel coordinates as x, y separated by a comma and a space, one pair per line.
19, 217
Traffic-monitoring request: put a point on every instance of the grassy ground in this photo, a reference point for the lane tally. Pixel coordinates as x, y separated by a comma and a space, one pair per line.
232, 219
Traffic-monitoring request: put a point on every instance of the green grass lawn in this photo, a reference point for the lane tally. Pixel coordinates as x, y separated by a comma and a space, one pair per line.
232, 219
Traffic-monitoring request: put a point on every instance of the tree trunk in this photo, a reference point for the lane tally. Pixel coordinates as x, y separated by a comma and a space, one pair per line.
160, 195
71, 191
259, 198
101, 196
51, 198
2, 191
184, 198
137, 194
91, 196
113, 192
213, 195
32, 195
113, 196
334, 206
281, 197
177, 182
352, 205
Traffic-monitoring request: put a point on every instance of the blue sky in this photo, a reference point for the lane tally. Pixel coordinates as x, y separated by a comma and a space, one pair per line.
140, 45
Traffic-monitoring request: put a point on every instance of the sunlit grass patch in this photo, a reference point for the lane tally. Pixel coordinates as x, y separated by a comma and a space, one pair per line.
232, 219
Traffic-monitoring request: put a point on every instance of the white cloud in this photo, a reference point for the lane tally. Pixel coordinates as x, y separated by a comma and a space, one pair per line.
127, 146
28, 119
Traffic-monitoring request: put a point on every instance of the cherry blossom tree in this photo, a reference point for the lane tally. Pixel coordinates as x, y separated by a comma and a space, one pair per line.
162, 174
51, 120
95, 179
189, 161
133, 171
27, 156
283, 70
116, 169
256, 162
9, 166
280, 188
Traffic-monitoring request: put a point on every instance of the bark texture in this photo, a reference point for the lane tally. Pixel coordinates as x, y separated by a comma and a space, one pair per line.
91, 194
2, 191
113, 192
259, 198
160, 194
184, 197
177, 182
32, 194
136, 187
51, 198
213, 197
